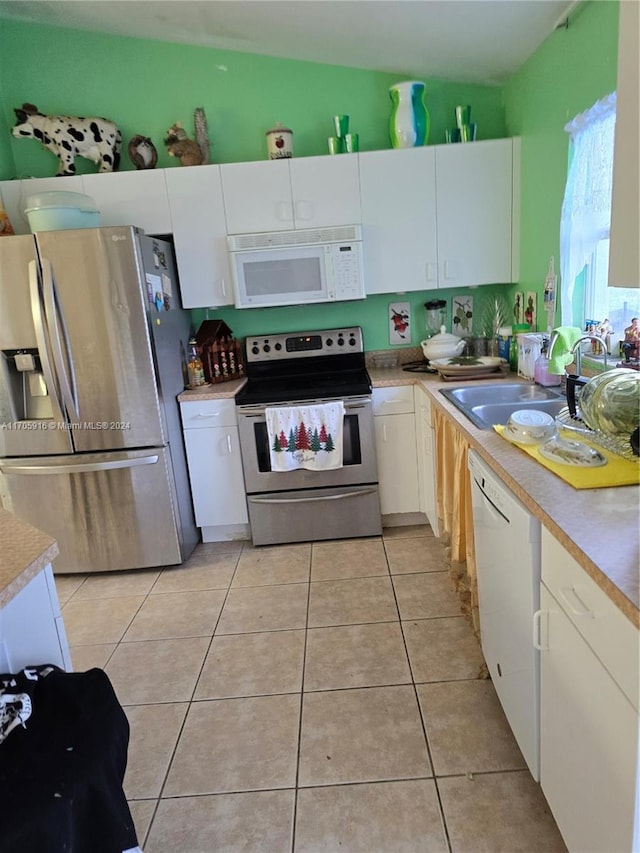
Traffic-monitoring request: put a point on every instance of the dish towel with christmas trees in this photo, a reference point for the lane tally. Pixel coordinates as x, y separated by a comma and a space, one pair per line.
305, 436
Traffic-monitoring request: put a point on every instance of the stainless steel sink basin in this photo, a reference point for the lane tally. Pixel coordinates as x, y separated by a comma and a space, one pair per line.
486, 405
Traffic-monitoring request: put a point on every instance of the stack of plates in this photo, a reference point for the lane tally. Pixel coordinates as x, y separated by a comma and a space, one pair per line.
470, 367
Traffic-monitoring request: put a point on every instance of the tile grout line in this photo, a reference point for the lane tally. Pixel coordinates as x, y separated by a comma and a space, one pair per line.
304, 666
422, 720
189, 704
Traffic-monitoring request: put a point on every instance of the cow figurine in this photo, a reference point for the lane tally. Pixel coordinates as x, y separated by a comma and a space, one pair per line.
97, 139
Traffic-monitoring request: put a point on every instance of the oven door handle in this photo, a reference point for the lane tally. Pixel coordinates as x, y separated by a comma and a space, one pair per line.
305, 499
259, 411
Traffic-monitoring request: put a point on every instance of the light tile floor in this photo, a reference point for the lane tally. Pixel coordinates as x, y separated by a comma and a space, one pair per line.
307, 698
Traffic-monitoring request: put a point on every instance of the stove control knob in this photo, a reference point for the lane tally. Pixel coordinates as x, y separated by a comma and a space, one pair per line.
278, 347
340, 342
255, 350
329, 342
266, 348
352, 342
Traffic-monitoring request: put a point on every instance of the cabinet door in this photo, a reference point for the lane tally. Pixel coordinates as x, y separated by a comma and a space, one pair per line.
398, 191
31, 628
474, 186
588, 740
397, 463
257, 196
131, 198
325, 191
215, 471
200, 236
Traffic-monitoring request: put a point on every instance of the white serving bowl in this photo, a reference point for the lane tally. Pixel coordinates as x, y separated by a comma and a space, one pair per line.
442, 345
529, 426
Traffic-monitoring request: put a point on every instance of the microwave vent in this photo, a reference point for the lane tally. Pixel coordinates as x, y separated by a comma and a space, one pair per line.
307, 237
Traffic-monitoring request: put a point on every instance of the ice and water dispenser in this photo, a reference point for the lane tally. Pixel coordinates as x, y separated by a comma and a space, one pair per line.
26, 388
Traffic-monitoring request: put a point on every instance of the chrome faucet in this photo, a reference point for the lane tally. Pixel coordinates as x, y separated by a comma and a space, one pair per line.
575, 350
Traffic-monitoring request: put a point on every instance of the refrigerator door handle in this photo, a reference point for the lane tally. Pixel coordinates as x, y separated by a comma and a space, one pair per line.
55, 321
79, 467
41, 339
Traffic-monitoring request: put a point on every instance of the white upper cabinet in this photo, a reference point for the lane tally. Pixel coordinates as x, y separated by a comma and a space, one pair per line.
131, 198
624, 254
439, 216
200, 236
16, 193
398, 190
474, 190
279, 195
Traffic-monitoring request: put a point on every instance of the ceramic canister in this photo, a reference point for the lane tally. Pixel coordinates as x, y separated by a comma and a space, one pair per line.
279, 142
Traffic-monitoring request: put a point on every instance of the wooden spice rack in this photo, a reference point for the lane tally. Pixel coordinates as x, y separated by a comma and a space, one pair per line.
220, 352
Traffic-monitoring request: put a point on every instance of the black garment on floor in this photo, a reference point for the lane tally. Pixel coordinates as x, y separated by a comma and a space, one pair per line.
63, 755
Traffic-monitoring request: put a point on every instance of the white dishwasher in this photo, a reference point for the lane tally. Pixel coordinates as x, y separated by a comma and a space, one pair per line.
507, 548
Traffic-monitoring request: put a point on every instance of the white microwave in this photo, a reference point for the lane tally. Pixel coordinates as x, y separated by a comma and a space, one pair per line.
297, 267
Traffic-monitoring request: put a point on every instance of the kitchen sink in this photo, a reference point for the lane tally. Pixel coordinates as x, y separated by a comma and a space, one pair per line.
486, 405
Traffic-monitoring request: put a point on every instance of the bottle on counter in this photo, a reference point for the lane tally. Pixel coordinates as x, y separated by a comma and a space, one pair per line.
541, 373
194, 366
513, 354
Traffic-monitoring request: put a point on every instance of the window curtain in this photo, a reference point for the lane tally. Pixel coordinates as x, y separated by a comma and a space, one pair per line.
586, 209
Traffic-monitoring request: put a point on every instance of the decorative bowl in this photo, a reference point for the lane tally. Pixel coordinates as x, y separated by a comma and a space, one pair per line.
529, 426
442, 345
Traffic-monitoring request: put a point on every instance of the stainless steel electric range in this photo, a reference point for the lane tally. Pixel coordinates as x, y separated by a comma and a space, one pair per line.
308, 368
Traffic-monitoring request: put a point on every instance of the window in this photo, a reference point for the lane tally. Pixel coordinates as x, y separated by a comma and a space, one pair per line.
584, 228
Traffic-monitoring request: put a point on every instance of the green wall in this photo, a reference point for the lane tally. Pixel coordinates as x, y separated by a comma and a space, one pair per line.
569, 72
145, 86
371, 313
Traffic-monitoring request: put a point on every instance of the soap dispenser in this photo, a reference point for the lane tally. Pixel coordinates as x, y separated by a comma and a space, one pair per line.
541, 373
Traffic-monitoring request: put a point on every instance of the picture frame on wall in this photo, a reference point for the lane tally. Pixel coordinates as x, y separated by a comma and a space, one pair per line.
462, 315
400, 323
518, 307
531, 310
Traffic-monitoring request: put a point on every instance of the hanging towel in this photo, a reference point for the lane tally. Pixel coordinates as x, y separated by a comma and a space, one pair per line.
305, 436
564, 339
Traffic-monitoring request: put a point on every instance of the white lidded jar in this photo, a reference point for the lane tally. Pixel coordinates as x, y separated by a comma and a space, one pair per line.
442, 345
279, 142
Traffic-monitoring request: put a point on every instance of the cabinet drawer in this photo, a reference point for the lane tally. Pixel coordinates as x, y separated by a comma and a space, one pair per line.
208, 413
393, 401
607, 631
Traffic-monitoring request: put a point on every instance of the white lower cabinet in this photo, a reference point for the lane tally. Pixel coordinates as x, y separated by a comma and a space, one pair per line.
215, 469
589, 702
32, 632
396, 452
425, 440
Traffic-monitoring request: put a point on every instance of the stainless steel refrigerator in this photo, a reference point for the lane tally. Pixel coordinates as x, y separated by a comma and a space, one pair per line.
92, 338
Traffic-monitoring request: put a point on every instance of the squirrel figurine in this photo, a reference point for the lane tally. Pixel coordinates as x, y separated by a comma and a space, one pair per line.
179, 145
190, 152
